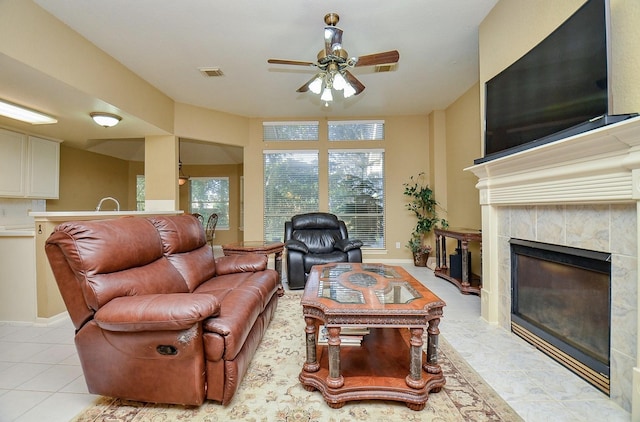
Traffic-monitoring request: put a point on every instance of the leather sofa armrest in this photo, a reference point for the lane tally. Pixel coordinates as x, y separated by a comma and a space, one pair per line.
345, 245
156, 312
296, 245
249, 263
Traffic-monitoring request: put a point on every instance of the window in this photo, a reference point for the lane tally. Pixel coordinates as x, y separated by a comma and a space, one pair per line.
210, 195
140, 192
356, 193
290, 131
290, 188
353, 130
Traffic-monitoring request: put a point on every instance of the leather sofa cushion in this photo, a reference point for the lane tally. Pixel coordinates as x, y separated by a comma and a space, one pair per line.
319, 259
181, 233
118, 257
158, 312
264, 284
185, 246
241, 263
238, 313
106, 246
317, 241
315, 220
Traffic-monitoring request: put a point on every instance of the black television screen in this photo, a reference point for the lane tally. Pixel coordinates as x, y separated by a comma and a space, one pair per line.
560, 83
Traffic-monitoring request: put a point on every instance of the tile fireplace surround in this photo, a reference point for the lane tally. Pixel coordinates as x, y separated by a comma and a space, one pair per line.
582, 191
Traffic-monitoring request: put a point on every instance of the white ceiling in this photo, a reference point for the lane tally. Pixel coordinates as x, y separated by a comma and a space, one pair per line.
165, 42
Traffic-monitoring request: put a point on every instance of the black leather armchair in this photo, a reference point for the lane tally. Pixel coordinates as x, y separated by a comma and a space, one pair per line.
314, 239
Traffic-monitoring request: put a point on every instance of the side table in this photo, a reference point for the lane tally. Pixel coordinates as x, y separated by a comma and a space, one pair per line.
259, 247
468, 282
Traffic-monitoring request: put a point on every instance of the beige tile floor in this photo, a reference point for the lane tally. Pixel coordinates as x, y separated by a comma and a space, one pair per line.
41, 378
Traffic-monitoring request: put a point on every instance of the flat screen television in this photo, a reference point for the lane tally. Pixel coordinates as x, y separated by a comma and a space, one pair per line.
557, 89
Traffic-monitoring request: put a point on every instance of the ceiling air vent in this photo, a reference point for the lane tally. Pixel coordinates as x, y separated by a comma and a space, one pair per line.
208, 72
384, 67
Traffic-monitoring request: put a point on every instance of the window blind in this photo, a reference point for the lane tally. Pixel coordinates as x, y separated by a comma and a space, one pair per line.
290, 188
290, 131
356, 130
356, 193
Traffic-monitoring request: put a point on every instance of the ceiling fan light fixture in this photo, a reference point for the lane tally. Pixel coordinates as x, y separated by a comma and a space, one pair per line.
105, 119
339, 82
326, 95
349, 91
316, 85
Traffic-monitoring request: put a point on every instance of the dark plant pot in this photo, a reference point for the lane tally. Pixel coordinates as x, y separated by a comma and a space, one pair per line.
420, 259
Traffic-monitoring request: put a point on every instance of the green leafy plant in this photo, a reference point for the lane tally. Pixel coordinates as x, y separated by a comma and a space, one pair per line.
424, 206
415, 245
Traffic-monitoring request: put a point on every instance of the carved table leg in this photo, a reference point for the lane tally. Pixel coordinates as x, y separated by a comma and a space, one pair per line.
464, 249
415, 379
438, 252
278, 265
311, 364
334, 379
432, 366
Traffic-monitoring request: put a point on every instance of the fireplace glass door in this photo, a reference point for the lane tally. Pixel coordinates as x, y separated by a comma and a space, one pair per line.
563, 296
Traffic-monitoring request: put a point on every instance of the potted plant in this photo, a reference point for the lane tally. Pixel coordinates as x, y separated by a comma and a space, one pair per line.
423, 204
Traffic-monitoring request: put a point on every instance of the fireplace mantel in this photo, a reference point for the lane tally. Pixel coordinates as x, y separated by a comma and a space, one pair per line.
581, 191
598, 166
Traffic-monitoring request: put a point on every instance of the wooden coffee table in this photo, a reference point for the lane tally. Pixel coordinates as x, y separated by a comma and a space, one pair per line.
390, 363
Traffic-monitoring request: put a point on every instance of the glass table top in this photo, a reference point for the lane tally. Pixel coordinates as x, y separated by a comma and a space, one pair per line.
363, 283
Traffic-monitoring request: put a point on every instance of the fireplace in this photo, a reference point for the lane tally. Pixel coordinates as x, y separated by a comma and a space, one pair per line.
561, 303
582, 192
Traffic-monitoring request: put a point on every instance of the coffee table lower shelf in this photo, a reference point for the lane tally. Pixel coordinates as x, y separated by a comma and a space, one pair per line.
375, 370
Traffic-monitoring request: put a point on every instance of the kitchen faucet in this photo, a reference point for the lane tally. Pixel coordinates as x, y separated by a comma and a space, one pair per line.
104, 199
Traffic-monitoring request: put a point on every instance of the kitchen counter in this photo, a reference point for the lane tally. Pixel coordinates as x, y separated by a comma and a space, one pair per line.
94, 215
4, 232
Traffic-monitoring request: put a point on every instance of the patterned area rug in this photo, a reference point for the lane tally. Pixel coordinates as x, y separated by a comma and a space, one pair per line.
270, 391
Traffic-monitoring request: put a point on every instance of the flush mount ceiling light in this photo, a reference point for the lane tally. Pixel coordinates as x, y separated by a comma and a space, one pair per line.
23, 114
105, 119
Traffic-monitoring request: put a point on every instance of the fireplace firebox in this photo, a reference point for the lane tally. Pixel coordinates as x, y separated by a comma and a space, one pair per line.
561, 304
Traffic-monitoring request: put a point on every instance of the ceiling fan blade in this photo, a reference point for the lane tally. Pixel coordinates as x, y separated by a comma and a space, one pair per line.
379, 58
332, 39
355, 83
292, 62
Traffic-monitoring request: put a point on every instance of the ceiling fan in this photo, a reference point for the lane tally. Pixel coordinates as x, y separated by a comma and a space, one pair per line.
333, 62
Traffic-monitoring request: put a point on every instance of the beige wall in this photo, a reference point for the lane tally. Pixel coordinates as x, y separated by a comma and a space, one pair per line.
463, 146
86, 177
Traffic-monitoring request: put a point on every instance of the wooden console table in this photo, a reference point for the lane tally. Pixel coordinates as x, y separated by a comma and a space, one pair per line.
469, 282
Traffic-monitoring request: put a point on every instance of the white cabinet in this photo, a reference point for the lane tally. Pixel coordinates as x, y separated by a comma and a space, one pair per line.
30, 166
44, 168
13, 161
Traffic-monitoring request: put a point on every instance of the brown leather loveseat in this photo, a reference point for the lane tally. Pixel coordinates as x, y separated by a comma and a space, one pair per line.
157, 318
